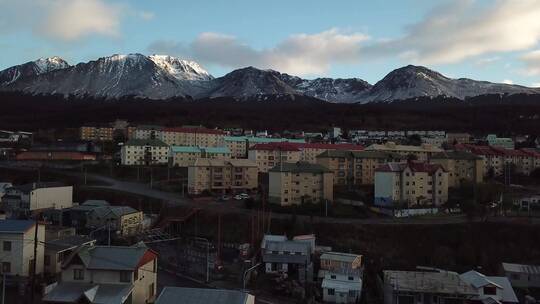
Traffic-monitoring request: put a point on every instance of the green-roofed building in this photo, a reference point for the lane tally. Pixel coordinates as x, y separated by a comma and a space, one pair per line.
461, 166
299, 183
185, 156
355, 167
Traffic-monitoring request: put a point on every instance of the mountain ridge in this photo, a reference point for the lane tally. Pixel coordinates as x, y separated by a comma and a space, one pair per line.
164, 77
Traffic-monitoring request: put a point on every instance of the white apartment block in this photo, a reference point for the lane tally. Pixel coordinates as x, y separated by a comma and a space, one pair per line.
37, 196
144, 152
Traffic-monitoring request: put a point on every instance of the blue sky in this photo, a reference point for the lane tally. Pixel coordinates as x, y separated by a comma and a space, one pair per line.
489, 40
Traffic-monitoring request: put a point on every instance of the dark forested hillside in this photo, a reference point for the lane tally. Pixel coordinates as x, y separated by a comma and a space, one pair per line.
500, 114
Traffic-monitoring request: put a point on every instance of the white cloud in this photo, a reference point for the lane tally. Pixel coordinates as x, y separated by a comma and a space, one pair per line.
532, 63
487, 61
508, 81
464, 29
66, 20
299, 54
535, 85
72, 19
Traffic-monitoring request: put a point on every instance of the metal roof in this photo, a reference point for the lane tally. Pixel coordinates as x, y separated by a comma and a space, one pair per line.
15, 226
444, 282
339, 256
66, 243
174, 295
68, 292
521, 268
111, 257
290, 246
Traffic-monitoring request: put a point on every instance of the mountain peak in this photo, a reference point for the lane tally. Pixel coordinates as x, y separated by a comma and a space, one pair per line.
181, 69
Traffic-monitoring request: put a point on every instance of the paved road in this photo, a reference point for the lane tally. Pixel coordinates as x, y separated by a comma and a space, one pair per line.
176, 199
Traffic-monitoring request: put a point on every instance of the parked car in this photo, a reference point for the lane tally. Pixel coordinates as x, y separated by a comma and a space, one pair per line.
224, 198
244, 195
239, 197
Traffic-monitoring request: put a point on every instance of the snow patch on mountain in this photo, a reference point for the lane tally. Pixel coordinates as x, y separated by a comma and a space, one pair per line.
181, 69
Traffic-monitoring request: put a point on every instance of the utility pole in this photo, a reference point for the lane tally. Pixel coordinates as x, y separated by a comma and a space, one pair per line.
34, 261
151, 176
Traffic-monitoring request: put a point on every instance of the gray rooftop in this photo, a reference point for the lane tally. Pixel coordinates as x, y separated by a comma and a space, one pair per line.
521, 268
68, 242
174, 295
445, 282
340, 256
111, 257
15, 226
27, 188
68, 292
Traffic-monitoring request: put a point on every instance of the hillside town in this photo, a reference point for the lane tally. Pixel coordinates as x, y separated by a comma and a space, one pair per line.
63, 242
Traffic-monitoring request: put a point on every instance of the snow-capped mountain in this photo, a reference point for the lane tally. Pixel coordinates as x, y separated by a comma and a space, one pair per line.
162, 77
181, 69
417, 81
31, 69
119, 75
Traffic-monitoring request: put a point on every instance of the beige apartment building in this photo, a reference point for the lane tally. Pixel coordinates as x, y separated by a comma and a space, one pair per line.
219, 175
411, 184
144, 152
269, 155
239, 145
185, 156
355, 167
300, 182
192, 136
422, 152
461, 166
94, 133
310, 151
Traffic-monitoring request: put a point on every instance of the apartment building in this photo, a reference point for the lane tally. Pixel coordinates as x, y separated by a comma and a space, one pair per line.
298, 183
193, 136
500, 142
17, 248
144, 152
28, 198
355, 167
96, 133
147, 132
107, 274
239, 145
422, 152
221, 175
185, 156
461, 166
411, 184
342, 277
458, 138
310, 151
522, 275
497, 160
268, 155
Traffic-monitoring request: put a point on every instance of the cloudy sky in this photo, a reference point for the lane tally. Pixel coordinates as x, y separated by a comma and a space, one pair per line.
497, 40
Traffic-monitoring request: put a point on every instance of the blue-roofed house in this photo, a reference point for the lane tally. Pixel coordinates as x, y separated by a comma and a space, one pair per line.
107, 275
174, 295
17, 250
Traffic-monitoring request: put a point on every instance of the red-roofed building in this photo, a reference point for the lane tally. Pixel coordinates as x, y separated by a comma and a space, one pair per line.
411, 184
524, 161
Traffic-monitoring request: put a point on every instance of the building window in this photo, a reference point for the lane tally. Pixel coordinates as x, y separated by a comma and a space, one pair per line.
332, 277
351, 278
490, 290
352, 293
331, 291
6, 267
125, 276
7, 246
78, 274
